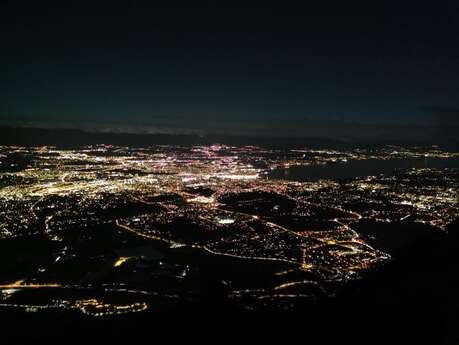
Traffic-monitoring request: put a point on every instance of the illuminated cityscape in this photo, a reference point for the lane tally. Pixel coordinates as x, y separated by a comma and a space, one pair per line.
119, 230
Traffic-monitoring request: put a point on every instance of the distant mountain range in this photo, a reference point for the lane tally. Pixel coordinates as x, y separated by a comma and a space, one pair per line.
70, 137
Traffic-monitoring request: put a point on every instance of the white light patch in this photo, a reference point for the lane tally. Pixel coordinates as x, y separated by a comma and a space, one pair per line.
226, 221
9, 291
238, 177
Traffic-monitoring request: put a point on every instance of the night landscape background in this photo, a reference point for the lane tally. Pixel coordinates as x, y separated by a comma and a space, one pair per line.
169, 162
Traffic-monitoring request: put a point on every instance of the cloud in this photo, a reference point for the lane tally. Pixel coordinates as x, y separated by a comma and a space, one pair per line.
337, 129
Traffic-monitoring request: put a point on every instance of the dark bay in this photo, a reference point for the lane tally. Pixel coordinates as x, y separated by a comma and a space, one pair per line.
356, 168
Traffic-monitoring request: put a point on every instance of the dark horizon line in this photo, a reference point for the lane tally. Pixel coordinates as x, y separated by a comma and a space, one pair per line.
337, 128
75, 137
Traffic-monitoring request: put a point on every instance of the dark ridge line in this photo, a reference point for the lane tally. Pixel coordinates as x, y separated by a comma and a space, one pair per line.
72, 137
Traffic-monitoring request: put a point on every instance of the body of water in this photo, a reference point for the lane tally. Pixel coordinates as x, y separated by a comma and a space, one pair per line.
357, 168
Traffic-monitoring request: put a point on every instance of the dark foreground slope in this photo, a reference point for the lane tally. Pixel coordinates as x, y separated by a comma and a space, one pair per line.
412, 300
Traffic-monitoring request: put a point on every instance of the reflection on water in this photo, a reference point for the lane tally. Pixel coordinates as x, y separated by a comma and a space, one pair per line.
358, 168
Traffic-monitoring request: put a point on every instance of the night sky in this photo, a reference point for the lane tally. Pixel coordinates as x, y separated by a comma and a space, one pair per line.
282, 69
